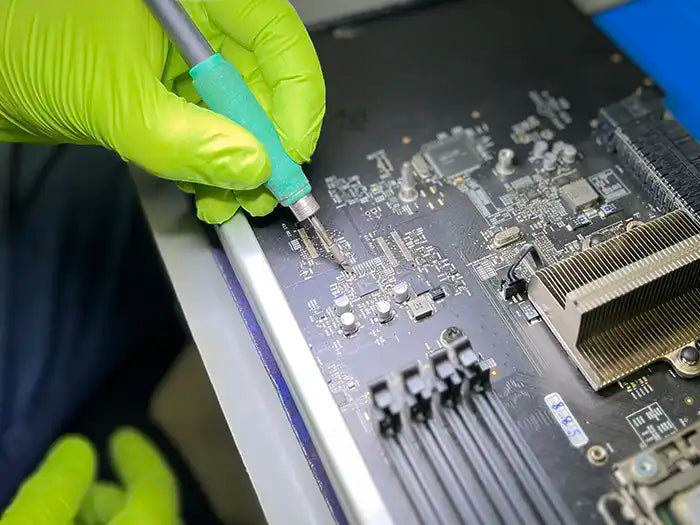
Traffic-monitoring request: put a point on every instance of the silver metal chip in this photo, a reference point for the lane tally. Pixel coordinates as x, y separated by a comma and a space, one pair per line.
420, 307
578, 195
506, 237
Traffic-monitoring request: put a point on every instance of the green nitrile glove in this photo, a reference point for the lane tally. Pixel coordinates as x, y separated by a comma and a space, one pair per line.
62, 491
104, 73
54, 493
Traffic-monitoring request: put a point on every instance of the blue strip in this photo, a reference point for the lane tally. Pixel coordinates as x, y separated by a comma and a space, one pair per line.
663, 38
285, 396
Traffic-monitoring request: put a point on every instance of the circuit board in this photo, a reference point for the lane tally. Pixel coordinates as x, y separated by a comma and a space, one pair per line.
445, 150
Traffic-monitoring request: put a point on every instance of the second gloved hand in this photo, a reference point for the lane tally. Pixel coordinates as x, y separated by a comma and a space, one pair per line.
105, 73
63, 490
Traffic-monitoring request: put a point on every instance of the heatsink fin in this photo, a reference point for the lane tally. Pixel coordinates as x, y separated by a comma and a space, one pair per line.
627, 302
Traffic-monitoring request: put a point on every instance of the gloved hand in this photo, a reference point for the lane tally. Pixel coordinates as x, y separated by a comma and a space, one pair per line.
104, 73
62, 491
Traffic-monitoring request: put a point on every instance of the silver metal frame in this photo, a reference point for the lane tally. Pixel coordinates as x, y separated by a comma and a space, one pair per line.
275, 462
346, 468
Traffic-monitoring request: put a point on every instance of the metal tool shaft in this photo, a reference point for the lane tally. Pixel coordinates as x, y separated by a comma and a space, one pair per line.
180, 28
330, 245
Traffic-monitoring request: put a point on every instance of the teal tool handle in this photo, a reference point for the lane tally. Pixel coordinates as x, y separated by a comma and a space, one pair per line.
223, 89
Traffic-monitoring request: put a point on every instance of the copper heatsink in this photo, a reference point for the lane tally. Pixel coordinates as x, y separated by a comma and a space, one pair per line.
627, 302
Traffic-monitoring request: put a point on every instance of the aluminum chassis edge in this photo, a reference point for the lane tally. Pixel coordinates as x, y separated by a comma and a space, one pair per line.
284, 483
354, 486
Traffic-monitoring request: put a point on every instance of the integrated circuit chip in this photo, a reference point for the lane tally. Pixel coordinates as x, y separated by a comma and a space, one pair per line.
420, 307
609, 209
578, 195
580, 221
365, 286
437, 293
455, 155
418, 284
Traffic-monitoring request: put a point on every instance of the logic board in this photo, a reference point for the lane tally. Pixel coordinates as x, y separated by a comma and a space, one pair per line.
436, 178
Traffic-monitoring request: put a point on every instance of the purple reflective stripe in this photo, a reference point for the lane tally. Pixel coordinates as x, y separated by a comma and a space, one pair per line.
285, 396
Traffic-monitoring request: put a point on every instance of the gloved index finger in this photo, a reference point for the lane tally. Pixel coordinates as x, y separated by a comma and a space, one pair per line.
273, 31
53, 494
152, 494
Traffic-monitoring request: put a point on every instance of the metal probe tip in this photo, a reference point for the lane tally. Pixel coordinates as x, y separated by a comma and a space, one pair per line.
336, 253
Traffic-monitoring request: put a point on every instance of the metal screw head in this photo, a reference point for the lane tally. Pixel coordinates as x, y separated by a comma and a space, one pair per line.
690, 355
646, 466
450, 335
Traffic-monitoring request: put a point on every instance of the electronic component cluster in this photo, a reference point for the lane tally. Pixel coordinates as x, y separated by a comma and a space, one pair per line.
573, 267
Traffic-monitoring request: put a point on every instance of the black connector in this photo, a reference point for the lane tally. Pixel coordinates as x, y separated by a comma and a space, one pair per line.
388, 409
513, 285
418, 394
448, 380
511, 289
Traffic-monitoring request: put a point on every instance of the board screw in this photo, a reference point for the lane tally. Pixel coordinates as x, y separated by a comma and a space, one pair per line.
450, 335
690, 355
646, 466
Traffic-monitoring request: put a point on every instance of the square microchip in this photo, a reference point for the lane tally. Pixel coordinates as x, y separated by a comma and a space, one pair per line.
418, 284
609, 209
365, 286
578, 195
420, 307
580, 221
455, 155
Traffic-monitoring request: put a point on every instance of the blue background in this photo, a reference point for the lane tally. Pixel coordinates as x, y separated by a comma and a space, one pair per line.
663, 38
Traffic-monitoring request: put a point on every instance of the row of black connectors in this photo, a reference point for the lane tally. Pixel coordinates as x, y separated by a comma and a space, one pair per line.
455, 449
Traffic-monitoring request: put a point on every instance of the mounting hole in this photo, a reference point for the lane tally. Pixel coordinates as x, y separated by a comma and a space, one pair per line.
597, 455
634, 223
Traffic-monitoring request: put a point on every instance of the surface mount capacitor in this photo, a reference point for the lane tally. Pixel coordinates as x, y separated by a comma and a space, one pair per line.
348, 323
342, 304
401, 293
568, 153
539, 148
549, 161
384, 311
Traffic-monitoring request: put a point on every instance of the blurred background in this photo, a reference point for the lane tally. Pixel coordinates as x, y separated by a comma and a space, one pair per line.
315, 12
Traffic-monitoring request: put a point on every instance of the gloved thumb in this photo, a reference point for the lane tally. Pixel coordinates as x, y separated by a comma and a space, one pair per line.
177, 140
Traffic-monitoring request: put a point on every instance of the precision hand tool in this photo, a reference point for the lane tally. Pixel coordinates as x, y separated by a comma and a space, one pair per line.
223, 89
